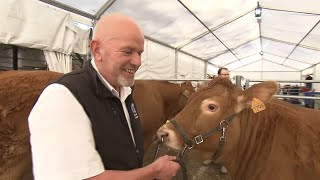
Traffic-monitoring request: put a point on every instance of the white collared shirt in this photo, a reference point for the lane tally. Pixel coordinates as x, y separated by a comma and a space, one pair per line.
62, 141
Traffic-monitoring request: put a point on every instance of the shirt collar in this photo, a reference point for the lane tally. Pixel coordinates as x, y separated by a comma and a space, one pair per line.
125, 91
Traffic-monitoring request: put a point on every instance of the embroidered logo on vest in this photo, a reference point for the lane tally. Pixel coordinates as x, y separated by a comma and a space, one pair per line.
133, 109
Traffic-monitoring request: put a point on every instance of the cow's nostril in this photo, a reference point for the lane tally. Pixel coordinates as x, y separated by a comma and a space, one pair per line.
162, 134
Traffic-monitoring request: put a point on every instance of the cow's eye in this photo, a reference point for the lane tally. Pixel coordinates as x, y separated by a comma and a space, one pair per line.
212, 107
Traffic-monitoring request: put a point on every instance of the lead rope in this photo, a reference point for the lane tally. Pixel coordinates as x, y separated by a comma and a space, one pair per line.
178, 160
158, 148
182, 164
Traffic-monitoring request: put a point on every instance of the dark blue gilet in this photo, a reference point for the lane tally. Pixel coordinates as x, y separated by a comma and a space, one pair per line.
110, 128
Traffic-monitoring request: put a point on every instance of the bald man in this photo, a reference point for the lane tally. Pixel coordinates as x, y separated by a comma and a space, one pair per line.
85, 124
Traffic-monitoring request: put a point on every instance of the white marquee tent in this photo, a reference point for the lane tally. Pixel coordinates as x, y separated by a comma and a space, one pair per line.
184, 38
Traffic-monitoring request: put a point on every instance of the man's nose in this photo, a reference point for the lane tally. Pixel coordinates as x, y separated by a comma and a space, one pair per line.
136, 59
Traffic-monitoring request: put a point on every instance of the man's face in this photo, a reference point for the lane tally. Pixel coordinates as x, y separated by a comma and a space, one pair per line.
121, 58
224, 73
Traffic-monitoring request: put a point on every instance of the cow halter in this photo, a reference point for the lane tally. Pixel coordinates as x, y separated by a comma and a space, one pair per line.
190, 143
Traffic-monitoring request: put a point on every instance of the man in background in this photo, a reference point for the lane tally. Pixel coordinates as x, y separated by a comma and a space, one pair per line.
222, 72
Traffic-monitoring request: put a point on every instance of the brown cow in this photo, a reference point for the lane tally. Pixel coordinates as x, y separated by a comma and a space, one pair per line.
18, 93
282, 141
156, 101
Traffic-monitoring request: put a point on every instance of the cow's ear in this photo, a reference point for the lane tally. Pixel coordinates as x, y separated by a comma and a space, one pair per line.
262, 91
187, 93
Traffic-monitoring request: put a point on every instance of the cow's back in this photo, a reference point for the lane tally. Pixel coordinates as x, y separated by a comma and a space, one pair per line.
19, 91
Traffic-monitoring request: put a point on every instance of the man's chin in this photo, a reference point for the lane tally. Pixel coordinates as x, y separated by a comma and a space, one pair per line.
126, 82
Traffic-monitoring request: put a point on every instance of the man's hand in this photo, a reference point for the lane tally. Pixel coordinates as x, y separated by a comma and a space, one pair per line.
165, 167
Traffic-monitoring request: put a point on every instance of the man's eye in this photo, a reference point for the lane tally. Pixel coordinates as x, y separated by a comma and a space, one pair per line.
127, 52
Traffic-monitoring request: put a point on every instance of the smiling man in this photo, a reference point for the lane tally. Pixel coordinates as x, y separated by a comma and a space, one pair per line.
85, 124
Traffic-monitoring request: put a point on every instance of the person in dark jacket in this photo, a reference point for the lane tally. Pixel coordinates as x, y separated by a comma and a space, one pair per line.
85, 124
223, 72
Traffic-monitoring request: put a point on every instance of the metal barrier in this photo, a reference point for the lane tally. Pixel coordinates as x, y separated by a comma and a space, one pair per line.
311, 99
288, 81
177, 79
296, 97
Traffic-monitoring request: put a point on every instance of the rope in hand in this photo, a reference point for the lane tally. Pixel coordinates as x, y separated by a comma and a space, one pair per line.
183, 168
178, 160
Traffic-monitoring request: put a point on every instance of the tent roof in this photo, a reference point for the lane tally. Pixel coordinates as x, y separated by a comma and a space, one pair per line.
224, 33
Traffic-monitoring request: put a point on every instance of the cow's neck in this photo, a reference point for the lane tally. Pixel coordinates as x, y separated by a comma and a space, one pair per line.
247, 147
263, 139
171, 95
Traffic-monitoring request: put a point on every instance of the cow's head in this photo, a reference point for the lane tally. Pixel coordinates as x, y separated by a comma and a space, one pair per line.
172, 108
208, 108
187, 90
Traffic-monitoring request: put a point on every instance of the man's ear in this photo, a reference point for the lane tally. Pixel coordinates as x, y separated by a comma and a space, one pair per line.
95, 50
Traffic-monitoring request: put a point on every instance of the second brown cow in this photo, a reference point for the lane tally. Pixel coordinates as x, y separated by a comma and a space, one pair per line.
156, 101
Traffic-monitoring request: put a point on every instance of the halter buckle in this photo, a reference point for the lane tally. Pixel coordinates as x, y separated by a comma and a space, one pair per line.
198, 139
223, 139
224, 124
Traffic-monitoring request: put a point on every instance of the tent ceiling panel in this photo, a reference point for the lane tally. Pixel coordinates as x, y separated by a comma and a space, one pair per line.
212, 70
88, 6
306, 55
179, 31
289, 33
215, 13
248, 49
264, 65
167, 21
310, 6
313, 38
286, 26
239, 32
206, 47
234, 65
276, 48
273, 58
296, 64
251, 59
270, 66
223, 59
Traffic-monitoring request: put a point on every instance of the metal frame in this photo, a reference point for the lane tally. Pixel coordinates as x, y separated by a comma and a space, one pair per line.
286, 81
301, 41
68, 8
208, 29
297, 97
109, 3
